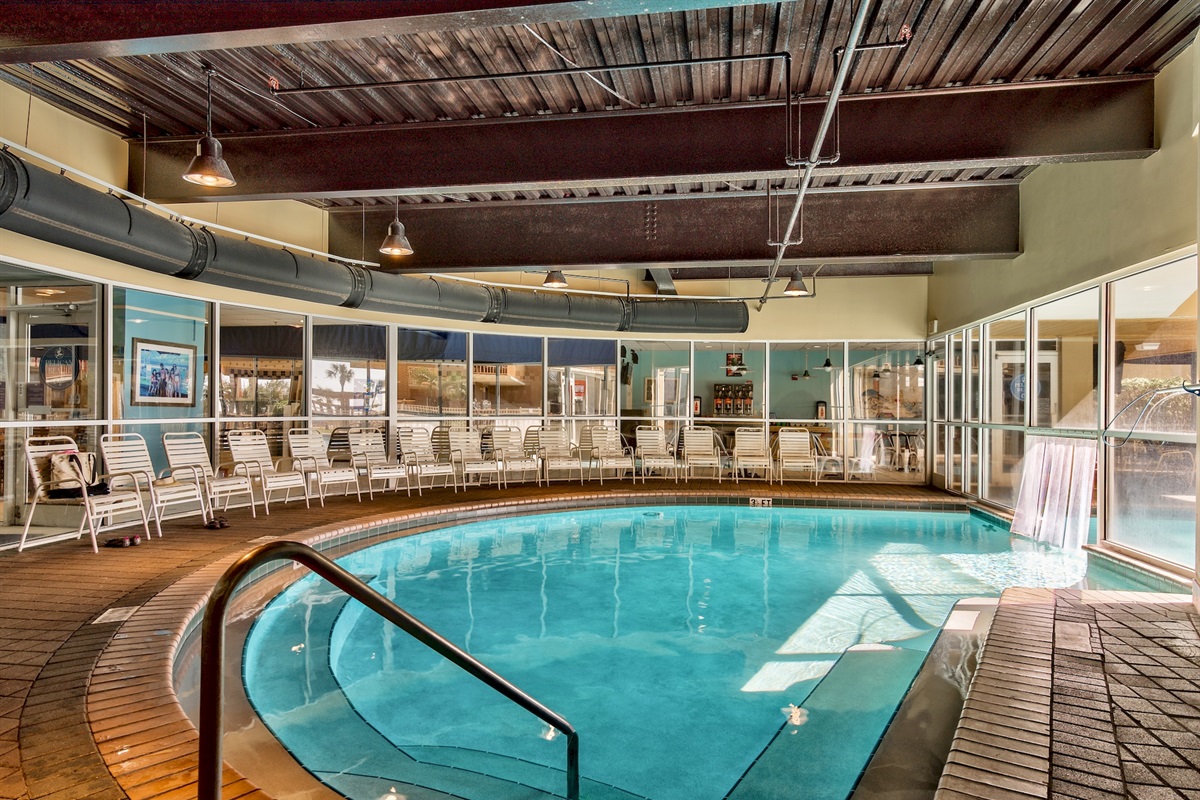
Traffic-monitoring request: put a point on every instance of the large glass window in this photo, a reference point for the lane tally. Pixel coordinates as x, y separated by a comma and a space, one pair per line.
1152, 457
956, 357
262, 363
656, 378
431, 373
506, 375
349, 369
582, 379
729, 381
160, 355
1067, 333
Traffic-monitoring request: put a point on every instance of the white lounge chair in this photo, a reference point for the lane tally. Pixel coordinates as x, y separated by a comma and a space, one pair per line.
416, 452
557, 454
100, 511
751, 454
794, 452
368, 455
509, 450
187, 456
252, 457
699, 450
466, 454
127, 460
609, 452
309, 455
652, 452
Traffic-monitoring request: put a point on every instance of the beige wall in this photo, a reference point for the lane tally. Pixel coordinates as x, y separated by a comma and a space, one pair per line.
1081, 221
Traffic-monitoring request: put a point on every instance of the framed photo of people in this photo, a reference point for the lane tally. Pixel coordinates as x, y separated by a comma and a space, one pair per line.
163, 374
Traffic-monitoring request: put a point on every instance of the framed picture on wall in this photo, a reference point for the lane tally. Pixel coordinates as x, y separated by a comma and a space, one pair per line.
163, 374
648, 394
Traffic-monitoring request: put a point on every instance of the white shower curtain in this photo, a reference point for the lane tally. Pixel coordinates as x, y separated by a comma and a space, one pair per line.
1054, 503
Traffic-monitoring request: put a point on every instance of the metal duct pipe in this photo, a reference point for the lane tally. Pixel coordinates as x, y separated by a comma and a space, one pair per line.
40, 204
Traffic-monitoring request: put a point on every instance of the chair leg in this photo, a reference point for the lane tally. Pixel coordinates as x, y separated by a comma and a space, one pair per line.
28, 522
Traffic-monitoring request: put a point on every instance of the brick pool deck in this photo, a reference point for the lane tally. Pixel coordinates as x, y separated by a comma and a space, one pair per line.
86, 708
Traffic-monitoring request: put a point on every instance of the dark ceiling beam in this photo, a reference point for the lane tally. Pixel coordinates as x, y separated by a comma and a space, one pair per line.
807, 269
905, 131
664, 283
64, 31
940, 222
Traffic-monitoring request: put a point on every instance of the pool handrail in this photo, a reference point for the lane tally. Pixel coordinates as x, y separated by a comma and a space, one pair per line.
212, 656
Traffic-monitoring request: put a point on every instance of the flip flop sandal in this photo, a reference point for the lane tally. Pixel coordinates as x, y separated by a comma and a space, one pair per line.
222, 522
212, 524
117, 541
135, 540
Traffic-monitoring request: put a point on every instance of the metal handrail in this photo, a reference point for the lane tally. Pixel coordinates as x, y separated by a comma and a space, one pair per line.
212, 656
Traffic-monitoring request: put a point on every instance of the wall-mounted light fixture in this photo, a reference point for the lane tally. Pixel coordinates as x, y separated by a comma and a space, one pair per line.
208, 168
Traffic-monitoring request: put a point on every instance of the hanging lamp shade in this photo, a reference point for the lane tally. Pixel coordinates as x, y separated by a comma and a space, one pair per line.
208, 168
828, 365
806, 375
556, 280
796, 286
918, 362
395, 243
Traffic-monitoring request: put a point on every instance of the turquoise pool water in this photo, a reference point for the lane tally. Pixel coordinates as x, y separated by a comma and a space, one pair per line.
682, 642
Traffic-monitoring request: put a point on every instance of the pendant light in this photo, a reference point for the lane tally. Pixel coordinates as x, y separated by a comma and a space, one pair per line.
396, 243
208, 168
796, 286
806, 374
556, 280
828, 365
918, 362
875, 375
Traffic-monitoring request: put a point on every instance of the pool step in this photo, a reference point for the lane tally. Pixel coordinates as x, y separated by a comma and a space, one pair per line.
845, 716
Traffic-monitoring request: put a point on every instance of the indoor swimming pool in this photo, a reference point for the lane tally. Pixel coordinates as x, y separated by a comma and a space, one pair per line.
701, 652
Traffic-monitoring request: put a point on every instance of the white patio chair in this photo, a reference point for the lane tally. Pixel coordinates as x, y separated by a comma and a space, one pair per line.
416, 452
509, 449
608, 451
187, 456
466, 455
794, 452
751, 454
127, 460
99, 510
558, 454
368, 454
252, 457
698, 450
310, 456
652, 452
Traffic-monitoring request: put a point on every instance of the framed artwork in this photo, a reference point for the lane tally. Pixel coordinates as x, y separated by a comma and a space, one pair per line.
734, 365
648, 395
163, 374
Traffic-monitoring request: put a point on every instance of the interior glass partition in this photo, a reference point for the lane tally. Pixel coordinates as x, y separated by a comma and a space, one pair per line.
1151, 433
581, 378
807, 390
656, 385
262, 363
